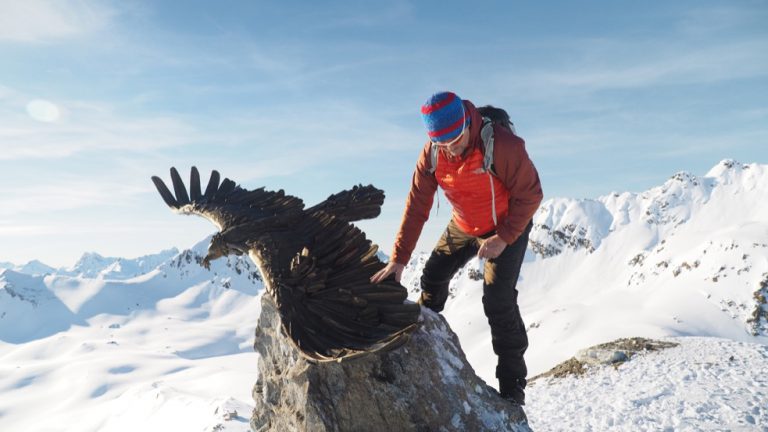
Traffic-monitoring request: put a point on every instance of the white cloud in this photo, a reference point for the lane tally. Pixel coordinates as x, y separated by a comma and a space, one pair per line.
43, 110
45, 20
81, 126
283, 141
106, 228
65, 194
26, 230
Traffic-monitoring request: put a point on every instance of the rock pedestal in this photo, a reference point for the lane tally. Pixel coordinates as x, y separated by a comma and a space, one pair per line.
425, 385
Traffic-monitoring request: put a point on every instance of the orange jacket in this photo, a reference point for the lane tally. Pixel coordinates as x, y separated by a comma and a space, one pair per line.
474, 193
513, 168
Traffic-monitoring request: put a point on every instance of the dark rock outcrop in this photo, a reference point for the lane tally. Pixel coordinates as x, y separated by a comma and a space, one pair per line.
610, 353
424, 385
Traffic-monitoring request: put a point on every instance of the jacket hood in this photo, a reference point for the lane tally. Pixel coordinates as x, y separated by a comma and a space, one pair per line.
475, 124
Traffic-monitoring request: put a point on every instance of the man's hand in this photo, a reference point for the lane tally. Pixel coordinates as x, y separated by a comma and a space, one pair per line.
492, 247
391, 267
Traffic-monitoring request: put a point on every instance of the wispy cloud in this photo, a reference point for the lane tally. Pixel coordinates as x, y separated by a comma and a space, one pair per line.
47, 20
14, 230
601, 65
703, 21
669, 66
22, 230
66, 194
82, 126
729, 143
285, 140
368, 15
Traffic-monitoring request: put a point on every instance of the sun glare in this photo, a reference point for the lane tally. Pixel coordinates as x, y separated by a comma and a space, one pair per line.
43, 110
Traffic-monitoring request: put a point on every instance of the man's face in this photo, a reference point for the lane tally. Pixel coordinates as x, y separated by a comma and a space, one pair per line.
456, 146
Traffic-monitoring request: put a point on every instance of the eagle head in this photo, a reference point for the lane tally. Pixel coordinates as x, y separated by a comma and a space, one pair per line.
220, 247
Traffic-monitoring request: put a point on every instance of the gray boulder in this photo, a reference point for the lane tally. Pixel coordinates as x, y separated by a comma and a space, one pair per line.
424, 385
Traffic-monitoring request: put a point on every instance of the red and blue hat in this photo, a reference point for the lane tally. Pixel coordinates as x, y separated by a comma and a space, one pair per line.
444, 116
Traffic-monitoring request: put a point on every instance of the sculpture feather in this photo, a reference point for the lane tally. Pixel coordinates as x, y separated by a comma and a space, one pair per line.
315, 264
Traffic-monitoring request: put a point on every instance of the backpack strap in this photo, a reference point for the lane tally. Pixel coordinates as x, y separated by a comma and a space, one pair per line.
486, 134
432, 158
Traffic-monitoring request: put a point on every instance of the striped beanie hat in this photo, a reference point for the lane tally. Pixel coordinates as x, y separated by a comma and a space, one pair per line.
444, 116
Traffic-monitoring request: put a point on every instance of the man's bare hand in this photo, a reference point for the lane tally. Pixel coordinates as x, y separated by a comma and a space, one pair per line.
492, 247
391, 267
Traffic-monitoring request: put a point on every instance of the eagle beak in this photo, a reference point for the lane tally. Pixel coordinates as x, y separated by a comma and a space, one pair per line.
212, 255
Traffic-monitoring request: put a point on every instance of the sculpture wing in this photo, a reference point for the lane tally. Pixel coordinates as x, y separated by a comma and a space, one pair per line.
360, 202
327, 303
226, 204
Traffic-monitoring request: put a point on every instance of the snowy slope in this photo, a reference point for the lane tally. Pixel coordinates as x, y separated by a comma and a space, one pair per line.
93, 265
160, 351
688, 258
685, 258
705, 384
158, 343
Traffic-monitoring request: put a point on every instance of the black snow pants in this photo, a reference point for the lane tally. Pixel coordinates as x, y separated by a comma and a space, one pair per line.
508, 335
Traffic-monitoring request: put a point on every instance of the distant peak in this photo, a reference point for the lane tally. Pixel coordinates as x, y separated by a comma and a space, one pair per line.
36, 267
90, 255
730, 163
89, 259
725, 168
685, 178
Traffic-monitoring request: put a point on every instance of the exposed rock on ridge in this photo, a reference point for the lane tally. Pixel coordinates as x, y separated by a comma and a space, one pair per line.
610, 353
425, 385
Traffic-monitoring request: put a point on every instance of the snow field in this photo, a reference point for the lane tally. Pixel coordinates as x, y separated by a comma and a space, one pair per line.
705, 384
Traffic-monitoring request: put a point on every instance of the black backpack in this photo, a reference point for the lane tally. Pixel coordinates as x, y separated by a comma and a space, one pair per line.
491, 116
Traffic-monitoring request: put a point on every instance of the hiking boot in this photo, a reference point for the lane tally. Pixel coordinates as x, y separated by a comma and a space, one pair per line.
516, 397
513, 391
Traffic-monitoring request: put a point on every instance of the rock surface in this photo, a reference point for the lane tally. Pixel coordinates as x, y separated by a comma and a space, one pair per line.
620, 350
425, 385
610, 353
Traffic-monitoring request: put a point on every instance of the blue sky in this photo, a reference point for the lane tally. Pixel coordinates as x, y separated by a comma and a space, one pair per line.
314, 97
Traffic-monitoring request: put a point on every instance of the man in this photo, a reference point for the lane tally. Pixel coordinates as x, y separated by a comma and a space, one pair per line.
491, 218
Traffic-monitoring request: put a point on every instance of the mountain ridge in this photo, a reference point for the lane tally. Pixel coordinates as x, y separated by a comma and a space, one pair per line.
168, 344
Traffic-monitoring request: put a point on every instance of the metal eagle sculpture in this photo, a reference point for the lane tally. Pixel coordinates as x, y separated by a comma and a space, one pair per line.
315, 264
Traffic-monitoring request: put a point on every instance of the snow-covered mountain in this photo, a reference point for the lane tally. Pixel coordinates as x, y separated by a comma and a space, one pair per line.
160, 343
33, 267
96, 349
682, 202
93, 265
689, 257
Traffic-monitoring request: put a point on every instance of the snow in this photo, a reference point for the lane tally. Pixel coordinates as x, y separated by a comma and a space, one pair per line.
156, 352
33, 267
158, 343
704, 384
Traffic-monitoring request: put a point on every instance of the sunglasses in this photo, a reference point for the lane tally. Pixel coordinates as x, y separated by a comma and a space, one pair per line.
451, 142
